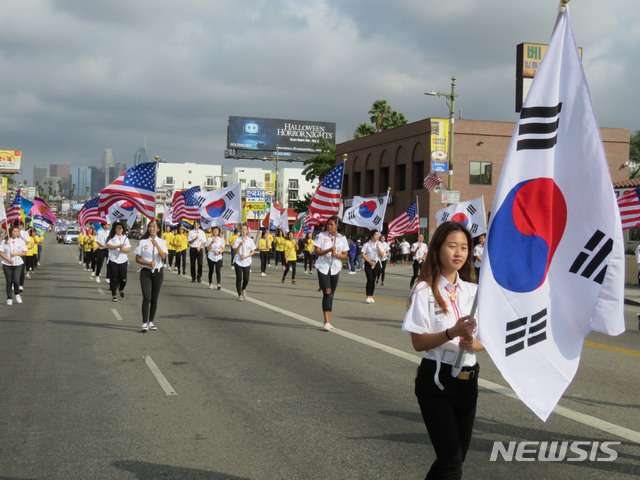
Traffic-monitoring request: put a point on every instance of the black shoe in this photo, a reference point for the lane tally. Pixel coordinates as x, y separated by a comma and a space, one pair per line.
122, 294
293, 282
639, 321
115, 299
199, 280
219, 287
193, 280
282, 279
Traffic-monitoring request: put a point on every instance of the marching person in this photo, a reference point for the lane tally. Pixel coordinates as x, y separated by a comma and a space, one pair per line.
478, 250
196, 241
150, 253
179, 241
307, 249
118, 246
386, 248
87, 244
243, 250
232, 240
419, 252
290, 257
438, 321
12, 251
280, 247
32, 252
215, 249
404, 248
167, 236
372, 254
331, 248
264, 247
101, 253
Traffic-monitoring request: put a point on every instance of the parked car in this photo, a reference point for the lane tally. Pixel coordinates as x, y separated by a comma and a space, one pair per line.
71, 236
135, 234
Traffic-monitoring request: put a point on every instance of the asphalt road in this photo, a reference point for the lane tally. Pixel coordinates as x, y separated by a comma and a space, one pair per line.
256, 390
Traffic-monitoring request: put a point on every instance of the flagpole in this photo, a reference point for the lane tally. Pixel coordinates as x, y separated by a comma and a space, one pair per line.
418, 212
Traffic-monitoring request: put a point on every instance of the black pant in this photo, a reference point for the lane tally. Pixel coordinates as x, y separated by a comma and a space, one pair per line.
172, 254
448, 415
150, 283
371, 273
101, 255
12, 276
264, 260
242, 278
181, 259
328, 283
416, 271
117, 276
88, 259
290, 264
214, 265
196, 256
30, 261
279, 256
383, 267
307, 260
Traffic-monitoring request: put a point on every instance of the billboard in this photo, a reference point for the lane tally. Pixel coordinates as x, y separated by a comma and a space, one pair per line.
268, 134
439, 144
10, 161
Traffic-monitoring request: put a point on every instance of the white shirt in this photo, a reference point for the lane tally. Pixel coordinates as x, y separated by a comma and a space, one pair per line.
199, 238
404, 247
419, 250
216, 251
478, 250
371, 251
149, 253
101, 238
385, 247
327, 264
638, 255
11, 246
245, 249
417, 318
115, 255
25, 236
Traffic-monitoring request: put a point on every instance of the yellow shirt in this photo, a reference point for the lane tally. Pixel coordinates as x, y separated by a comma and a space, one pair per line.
232, 239
88, 241
263, 244
179, 241
308, 246
290, 249
80, 239
280, 244
32, 247
168, 237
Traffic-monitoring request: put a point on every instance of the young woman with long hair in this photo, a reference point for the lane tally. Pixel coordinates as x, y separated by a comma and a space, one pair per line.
331, 249
264, 247
179, 241
438, 321
215, 249
290, 257
372, 254
118, 246
307, 249
243, 249
151, 253
13, 250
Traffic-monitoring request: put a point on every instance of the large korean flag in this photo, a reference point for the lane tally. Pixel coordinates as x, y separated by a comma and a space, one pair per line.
219, 207
553, 264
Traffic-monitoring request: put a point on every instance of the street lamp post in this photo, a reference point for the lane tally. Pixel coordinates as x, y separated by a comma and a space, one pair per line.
451, 103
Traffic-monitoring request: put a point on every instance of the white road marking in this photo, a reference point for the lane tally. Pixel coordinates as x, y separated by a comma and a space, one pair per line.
588, 420
100, 291
168, 389
116, 314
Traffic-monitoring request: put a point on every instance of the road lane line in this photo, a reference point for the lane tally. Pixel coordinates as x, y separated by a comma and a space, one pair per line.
588, 420
100, 291
168, 389
613, 349
116, 314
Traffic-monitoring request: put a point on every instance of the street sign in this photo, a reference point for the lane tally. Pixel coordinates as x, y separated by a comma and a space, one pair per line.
450, 196
256, 207
254, 195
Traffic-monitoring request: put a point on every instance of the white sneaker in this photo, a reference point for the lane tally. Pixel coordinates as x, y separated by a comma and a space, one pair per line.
18, 299
327, 327
263, 274
9, 301
93, 274
152, 326
97, 279
145, 327
21, 288
352, 273
240, 298
107, 280
211, 286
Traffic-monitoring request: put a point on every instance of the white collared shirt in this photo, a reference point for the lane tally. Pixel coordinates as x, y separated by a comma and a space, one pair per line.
149, 253
199, 237
419, 250
371, 251
101, 238
216, 251
478, 250
115, 255
11, 246
243, 249
418, 319
327, 264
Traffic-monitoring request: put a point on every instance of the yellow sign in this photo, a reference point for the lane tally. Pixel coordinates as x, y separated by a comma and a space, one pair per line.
530, 57
10, 160
256, 207
439, 144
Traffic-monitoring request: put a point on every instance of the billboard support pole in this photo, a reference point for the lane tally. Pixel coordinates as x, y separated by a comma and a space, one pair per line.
276, 181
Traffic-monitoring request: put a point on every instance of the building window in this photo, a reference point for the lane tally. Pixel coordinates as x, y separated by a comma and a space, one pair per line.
356, 183
383, 180
293, 183
401, 178
189, 182
417, 174
254, 183
243, 180
189, 172
368, 182
479, 173
168, 181
293, 195
211, 181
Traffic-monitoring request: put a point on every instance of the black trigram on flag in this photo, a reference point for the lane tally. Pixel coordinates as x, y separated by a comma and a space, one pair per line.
445, 216
381, 200
200, 201
525, 332
230, 195
595, 259
541, 131
118, 214
377, 220
351, 214
228, 213
471, 209
474, 228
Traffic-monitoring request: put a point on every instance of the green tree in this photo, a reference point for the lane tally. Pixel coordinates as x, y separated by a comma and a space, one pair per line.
363, 130
393, 120
319, 166
634, 155
382, 118
379, 111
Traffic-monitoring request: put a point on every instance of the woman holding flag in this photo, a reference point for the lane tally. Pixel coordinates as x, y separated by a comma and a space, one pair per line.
215, 249
372, 254
437, 319
331, 249
12, 251
117, 247
243, 249
150, 253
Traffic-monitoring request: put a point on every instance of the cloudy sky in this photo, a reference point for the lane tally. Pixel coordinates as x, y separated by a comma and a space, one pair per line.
79, 76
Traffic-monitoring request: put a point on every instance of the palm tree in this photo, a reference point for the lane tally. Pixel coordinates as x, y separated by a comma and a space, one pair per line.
72, 190
378, 112
363, 130
393, 120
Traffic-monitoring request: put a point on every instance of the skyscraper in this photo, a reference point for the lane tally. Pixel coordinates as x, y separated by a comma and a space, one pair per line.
107, 163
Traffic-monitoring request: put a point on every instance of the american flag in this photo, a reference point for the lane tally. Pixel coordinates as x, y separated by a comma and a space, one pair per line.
185, 205
629, 205
326, 201
137, 185
407, 222
13, 212
90, 212
432, 182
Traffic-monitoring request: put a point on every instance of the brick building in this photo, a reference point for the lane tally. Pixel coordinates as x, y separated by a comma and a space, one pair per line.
400, 159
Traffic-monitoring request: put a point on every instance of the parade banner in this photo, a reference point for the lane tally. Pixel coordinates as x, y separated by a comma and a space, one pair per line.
10, 161
439, 145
